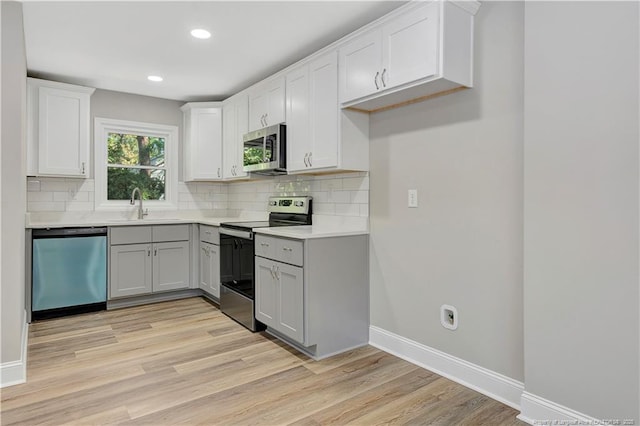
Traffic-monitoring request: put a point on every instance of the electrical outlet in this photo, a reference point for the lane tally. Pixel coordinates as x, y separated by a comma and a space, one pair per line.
413, 198
449, 317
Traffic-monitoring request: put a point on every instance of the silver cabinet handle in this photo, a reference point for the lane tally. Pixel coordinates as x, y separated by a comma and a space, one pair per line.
273, 272
266, 123
264, 244
306, 156
287, 249
218, 171
310, 155
384, 72
148, 252
155, 252
82, 167
277, 268
375, 80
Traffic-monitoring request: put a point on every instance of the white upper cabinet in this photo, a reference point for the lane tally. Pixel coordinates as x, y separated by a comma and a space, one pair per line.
267, 104
57, 129
423, 50
319, 136
235, 124
202, 144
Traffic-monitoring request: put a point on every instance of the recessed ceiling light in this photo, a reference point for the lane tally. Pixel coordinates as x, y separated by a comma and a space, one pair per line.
156, 78
200, 33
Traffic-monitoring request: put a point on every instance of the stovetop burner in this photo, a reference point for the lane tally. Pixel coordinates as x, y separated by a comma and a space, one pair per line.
283, 211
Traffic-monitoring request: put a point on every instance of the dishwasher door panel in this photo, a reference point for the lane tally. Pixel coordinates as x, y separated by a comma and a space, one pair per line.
69, 271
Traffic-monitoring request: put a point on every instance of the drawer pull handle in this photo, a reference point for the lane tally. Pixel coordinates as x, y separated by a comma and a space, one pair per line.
287, 249
264, 244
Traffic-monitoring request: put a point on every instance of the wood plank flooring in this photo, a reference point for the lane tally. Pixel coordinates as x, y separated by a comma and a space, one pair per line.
185, 363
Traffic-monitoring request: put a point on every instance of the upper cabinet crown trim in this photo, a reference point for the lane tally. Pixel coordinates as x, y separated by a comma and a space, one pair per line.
62, 86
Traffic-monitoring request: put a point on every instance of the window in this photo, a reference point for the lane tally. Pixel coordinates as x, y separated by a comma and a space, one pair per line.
135, 155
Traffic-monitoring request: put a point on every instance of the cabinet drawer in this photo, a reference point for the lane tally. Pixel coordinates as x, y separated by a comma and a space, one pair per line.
171, 233
209, 234
130, 234
280, 249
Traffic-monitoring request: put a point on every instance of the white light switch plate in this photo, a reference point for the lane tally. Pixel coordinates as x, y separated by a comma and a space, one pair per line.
413, 198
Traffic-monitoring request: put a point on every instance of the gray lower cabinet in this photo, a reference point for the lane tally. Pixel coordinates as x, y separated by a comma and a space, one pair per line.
130, 270
279, 297
142, 261
210, 268
209, 280
314, 293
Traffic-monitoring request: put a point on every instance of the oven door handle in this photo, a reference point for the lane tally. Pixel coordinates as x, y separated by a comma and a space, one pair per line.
247, 235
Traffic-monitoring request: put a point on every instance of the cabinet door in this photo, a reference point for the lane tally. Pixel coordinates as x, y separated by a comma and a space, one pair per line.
360, 63
257, 109
130, 270
230, 156
323, 112
276, 111
170, 265
290, 301
210, 268
205, 144
298, 142
266, 292
235, 118
410, 46
63, 132
241, 106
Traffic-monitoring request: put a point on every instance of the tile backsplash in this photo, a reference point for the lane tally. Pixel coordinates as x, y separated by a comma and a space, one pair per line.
339, 194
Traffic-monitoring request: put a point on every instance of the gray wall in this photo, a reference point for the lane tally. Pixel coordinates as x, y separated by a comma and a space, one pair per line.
13, 184
130, 107
463, 245
581, 206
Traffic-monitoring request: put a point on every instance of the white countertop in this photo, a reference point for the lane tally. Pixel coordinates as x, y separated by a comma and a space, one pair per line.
310, 231
323, 227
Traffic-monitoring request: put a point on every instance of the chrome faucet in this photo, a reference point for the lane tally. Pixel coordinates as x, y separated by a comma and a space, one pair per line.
141, 212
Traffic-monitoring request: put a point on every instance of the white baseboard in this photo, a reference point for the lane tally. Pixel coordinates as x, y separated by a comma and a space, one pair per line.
15, 372
537, 410
487, 382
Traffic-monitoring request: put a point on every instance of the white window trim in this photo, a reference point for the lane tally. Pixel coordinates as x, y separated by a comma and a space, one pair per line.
102, 128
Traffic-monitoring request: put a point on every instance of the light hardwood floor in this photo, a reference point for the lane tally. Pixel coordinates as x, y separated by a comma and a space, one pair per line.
184, 362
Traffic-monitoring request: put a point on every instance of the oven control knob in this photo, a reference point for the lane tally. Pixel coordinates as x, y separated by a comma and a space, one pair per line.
299, 203
273, 203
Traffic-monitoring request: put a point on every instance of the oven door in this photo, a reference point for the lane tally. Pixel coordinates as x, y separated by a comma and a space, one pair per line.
237, 262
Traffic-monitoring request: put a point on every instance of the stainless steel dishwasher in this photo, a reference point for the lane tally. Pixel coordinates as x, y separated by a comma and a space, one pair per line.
69, 271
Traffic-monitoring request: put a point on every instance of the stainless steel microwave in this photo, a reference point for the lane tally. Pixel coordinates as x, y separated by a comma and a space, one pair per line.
265, 151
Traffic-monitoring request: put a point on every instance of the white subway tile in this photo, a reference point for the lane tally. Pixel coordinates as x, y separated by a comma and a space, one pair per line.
33, 185
356, 184
342, 197
220, 197
324, 208
360, 197
60, 196
79, 206
185, 197
56, 185
88, 185
320, 197
331, 184
80, 196
40, 196
348, 209
45, 206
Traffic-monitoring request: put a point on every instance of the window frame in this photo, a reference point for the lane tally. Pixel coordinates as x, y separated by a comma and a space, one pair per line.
102, 128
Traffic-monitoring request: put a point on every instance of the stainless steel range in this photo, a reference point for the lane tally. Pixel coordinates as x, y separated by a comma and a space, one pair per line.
237, 251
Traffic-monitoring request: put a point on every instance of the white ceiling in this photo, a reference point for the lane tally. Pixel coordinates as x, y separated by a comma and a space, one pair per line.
116, 45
